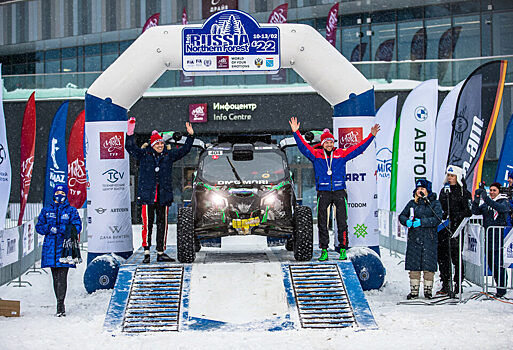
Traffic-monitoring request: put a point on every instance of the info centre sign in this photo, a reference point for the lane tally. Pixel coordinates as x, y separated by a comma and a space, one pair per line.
230, 42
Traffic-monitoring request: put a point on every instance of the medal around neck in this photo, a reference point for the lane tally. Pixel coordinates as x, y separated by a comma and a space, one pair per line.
157, 169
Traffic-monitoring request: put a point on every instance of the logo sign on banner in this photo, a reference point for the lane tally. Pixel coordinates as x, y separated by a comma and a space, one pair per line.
198, 113
472, 245
9, 246
231, 42
508, 248
362, 205
109, 221
28, 237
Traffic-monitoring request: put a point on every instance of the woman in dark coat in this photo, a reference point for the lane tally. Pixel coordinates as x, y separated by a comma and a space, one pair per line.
422, 215
53, 222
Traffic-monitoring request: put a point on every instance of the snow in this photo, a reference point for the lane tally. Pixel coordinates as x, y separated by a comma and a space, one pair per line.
481, 324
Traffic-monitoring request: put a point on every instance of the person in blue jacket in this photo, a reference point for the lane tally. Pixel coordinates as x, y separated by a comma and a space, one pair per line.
52, 223
329, 165
155, 188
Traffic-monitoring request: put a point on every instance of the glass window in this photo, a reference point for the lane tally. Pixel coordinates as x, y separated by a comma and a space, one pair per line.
437, 11
107, 60
52, 54
310, 22
486, 34
69, 65
52, 66
19, 69
213, 80
411, 45
69, 52
465, 8
502, 30
349, 20
92, 63
92, 50
110, 48
383, 49
320, 23
234, 80
351, 48
440, 39
410, 13
124, 45
383, 17
467, 42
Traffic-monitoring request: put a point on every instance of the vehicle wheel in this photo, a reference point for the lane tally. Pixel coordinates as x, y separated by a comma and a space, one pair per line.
289, 245
185, 236
303, 233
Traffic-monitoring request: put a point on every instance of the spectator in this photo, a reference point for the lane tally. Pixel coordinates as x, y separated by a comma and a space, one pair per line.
421, 215
155, 191
455, 200
53, 222
508, 190
495, 211
330, 181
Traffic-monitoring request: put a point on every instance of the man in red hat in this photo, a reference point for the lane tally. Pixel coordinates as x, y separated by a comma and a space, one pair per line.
155, 191
329, 165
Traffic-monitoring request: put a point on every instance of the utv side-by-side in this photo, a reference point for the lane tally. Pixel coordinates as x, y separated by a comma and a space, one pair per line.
243, 186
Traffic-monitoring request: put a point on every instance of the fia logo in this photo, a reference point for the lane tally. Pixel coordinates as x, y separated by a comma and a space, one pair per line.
421, 113
113, 176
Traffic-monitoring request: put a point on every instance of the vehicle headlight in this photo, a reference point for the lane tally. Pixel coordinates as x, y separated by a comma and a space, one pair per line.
270, 199
218, 201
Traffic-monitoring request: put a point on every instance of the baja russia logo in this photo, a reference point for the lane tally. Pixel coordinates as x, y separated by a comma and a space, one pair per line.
112, 145
348, 137
222, 62
384, 160
198, 113
421, 113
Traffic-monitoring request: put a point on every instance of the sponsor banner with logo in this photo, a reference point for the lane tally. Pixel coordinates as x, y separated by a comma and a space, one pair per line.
5, 163
230, 42
77, 181
386, 118
29, 233
9, 246
209, 7
505, 165
472, 244
28, 143
416, 140
443, 132
331, 25
198, 113
153, 21
360, 181
56, 156
476, 113
508, 248
109, 222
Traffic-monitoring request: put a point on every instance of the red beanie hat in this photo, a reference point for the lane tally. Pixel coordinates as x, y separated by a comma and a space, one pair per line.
327, 136
155, 137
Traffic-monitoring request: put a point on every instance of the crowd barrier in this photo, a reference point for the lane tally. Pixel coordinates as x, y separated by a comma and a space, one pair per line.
20, 249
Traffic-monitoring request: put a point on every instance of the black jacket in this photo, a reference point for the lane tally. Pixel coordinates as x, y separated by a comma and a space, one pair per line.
422, 243
455, 205
488, 210
148, 177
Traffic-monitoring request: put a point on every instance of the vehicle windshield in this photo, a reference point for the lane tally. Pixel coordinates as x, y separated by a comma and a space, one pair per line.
264, 168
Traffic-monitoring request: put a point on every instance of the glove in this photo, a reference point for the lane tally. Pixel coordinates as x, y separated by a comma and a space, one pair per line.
409, 223
53, 230
416, 223
131, 126
480, 192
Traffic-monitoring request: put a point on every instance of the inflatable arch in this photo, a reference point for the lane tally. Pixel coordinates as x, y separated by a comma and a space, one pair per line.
157, 50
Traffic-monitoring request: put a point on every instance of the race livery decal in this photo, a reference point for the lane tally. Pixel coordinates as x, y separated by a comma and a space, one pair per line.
230, 41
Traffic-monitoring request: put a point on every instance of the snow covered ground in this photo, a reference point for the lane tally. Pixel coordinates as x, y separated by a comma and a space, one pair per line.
476, 325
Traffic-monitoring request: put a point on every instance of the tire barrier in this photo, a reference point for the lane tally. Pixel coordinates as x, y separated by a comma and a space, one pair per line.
101, 273
368, 267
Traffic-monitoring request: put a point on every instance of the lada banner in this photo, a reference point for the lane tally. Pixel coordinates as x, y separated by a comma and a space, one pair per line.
230, 42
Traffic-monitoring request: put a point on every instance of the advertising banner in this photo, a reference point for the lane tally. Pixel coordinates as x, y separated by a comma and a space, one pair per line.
508, 248
153, 21
28, 237
443, 137
386, 118
416, 140
360, 174
209, 7
28, 143
109, 222
5, 163
77, 181
331, 25
230, 42
472, 244
279, 15
505, 165
9, 246
56, 158
476, 113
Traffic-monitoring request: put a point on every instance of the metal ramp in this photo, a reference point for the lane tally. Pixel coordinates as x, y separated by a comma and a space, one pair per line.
154, 299
321, 296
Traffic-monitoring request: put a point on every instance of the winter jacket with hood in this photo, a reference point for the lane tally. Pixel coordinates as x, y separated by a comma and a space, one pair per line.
455, 202
57, 215
490, 208
422, 243
337, 180
149, 159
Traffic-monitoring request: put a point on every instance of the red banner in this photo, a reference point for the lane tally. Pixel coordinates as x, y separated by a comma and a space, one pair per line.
28, 142
279, 14
77, 181
153, 21
184, 17
331, 25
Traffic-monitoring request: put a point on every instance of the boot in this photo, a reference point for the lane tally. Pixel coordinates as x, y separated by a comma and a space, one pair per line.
445, 288
414, 287
324, 255
456, 289
163, 257
428, 285
343, 254
146, 259
61, 310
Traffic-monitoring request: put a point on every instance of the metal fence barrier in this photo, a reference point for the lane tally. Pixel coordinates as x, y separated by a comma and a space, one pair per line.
20, 249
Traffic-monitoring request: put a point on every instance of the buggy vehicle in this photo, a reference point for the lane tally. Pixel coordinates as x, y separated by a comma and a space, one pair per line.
243, 186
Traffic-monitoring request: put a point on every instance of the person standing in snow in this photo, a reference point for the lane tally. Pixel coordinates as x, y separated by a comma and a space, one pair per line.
455, 200
155, 191
329, 165
495, 210
421, 215
53, 222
